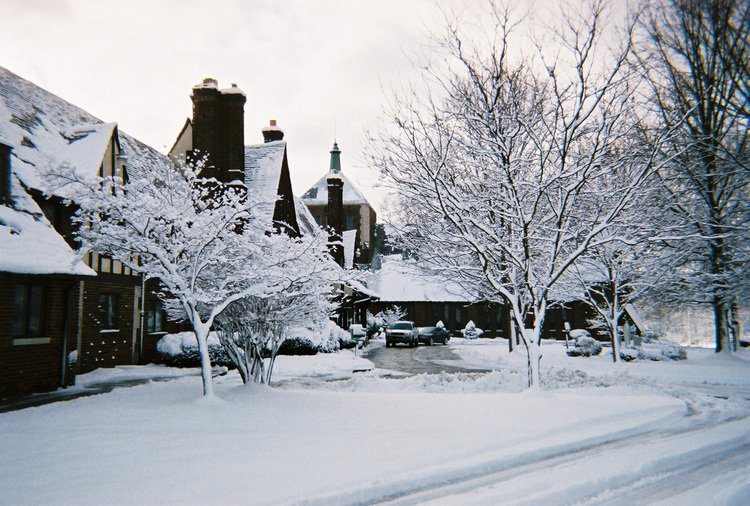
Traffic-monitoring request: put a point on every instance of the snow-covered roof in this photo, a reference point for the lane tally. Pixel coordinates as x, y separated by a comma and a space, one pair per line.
305, 220
46, 132
263, 164
318, 193
29, 244
400, 280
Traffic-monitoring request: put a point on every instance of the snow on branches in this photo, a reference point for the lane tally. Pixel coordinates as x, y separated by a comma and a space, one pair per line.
202, 239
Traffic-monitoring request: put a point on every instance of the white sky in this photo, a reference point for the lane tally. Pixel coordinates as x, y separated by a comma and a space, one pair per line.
318, 67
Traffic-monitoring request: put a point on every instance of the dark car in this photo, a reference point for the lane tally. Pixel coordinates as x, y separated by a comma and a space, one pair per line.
429, 335
402, 332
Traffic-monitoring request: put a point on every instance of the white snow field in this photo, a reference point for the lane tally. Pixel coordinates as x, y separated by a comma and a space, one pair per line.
596, 433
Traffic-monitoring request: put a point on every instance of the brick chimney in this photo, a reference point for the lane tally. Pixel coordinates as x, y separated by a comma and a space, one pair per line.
218, 129
336, 216
272, 133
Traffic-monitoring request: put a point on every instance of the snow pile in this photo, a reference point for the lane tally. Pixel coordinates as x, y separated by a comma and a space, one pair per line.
443, 383
471, 331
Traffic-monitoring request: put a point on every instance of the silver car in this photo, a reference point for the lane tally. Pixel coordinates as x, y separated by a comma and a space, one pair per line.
402, 332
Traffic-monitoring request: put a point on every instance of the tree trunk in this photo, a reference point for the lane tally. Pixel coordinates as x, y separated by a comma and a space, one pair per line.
201, 334
615, 338
534, 357
721, 325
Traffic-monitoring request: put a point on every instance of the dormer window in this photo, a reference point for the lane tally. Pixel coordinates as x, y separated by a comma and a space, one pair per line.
5, 194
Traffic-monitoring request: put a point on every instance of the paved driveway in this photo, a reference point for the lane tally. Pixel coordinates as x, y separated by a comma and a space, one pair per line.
419, 360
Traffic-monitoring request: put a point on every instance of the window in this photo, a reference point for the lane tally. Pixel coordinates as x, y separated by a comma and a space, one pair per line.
458, 317
28, 308
349, 222
154, 317
108, 310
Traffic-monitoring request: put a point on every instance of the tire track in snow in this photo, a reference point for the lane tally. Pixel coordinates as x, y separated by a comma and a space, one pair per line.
460, 486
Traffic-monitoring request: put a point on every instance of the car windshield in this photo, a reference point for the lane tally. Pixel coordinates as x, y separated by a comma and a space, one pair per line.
401, 326
427, 329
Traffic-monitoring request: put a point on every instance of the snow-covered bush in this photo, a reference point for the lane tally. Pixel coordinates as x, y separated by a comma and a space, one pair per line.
629, 354
471, 331
181, 350
586, 346
655, 350
576, 333
440, 324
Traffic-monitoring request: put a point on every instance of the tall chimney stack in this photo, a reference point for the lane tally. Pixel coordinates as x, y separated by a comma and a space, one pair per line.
336, 216
218, 129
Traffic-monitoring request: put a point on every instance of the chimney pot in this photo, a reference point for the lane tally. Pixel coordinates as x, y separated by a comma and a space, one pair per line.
272, 132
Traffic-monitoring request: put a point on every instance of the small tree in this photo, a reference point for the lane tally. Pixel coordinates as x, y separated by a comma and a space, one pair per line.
200, 238
390, 315
297, 292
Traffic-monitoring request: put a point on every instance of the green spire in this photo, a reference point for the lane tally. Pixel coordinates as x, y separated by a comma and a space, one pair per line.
335, 158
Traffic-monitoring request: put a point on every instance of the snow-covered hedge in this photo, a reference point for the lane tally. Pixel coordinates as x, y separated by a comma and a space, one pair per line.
585, 345
328, 339
655, 350
181, 350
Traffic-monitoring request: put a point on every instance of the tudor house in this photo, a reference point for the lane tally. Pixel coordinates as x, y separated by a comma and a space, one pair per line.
63, 313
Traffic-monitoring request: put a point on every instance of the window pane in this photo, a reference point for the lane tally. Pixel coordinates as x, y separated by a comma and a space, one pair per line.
157, 319
35, 311
150, 320
108, 310
19, 310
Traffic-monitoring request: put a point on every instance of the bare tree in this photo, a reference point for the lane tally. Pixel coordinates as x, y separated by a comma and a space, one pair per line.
499, 164
695, 58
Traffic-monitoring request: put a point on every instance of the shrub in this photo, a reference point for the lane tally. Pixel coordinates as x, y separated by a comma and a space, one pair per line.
298, 346
586, 346
655, 350
471, 331
181, 350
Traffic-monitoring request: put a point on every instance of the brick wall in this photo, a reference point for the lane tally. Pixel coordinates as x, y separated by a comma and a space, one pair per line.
107, 347
35, 364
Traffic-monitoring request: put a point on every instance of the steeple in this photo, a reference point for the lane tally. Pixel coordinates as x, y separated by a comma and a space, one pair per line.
335, 158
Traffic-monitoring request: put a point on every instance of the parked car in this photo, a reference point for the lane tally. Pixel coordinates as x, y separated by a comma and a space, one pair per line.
429, 335
402, 332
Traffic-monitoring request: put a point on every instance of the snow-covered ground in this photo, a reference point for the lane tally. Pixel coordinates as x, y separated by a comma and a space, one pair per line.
597, 433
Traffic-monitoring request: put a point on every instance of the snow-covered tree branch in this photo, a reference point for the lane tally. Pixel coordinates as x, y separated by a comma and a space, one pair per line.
503, 169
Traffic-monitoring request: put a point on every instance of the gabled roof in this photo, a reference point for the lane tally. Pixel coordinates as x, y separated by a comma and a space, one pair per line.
318, 193
305, 220
46, 132
263, 166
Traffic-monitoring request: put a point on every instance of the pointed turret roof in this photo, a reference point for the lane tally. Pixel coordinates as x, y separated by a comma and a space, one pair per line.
317, 194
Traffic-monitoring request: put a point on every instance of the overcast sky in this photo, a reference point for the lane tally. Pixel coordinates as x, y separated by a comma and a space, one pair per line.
316, 66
